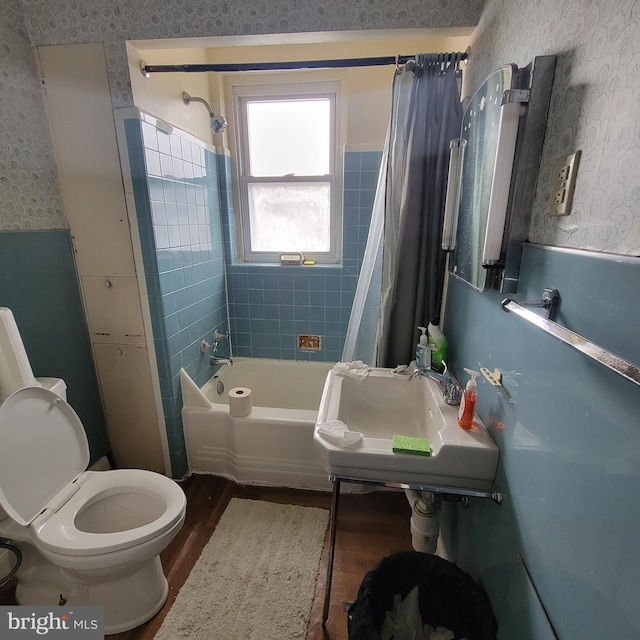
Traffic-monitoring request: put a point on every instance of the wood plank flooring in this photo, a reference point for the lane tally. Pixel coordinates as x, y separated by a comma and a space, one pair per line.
370, 526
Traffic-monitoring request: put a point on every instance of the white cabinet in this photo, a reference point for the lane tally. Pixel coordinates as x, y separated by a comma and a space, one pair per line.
125, 379
81, 118
84, 139
113, 309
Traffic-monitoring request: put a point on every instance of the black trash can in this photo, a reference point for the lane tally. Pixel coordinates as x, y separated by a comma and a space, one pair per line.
448, 597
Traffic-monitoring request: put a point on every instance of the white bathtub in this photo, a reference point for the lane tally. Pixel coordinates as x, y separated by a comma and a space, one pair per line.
274, 444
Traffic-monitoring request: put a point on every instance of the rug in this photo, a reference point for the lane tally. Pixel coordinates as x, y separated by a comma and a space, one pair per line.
255, 578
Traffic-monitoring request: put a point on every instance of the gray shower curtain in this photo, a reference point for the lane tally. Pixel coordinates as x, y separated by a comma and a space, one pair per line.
426, 116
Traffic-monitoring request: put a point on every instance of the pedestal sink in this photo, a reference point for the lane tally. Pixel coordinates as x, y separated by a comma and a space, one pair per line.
380, 405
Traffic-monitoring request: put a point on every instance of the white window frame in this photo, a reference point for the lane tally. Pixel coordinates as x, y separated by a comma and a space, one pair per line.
291, 90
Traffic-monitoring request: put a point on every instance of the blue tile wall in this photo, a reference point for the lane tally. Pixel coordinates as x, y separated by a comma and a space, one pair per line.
227, 208
567, 429
177, 199
186, 216
270, 305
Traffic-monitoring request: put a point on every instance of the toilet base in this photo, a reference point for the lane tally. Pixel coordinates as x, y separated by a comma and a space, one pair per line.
39, 582
130, 597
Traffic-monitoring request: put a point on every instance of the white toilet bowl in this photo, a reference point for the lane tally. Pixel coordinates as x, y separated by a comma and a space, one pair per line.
87, 538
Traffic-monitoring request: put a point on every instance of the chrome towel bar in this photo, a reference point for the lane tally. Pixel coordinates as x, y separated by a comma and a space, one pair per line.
621, 366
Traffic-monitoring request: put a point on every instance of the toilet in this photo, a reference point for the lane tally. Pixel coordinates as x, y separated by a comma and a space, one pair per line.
86, 537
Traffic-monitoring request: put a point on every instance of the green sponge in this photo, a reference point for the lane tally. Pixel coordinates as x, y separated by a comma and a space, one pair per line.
408, 444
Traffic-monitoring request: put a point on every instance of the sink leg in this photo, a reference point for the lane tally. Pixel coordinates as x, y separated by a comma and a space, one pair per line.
332, 545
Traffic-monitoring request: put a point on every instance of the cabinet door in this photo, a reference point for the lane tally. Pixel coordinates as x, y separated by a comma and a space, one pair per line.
133, 422
113, 309
84, 138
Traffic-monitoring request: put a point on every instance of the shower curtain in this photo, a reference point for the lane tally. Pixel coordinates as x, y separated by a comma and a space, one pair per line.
400, 284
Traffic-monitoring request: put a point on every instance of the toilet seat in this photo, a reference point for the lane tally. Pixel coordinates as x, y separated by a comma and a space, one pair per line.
44, 449
43, 482
160, 499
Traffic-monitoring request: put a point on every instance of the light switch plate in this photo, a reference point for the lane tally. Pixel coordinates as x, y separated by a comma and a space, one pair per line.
564, 184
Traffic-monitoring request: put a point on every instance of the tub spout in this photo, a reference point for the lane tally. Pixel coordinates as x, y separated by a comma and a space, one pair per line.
215, 361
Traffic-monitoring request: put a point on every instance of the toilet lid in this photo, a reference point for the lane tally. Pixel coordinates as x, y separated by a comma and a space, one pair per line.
43, 448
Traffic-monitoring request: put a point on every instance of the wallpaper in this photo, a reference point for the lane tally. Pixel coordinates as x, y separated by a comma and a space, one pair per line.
594, 107
114, 21
595, 99
29, 192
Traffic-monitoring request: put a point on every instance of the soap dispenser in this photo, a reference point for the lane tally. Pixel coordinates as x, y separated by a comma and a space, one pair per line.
423, 351
468, 402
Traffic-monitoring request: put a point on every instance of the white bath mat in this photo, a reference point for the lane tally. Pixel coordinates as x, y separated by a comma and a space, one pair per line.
255, 578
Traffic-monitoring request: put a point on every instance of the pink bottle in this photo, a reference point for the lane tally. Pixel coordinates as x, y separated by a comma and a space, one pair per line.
468, 402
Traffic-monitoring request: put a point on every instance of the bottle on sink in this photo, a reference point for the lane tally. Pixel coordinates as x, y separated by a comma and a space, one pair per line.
423, 351
438, 345
468, 402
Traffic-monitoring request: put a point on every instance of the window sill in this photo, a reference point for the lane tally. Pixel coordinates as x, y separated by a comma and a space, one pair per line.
288, 267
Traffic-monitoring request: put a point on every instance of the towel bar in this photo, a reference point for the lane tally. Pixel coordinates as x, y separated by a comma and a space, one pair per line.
610, 360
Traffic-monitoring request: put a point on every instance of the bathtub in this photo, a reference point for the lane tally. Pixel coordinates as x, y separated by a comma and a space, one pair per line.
274, 444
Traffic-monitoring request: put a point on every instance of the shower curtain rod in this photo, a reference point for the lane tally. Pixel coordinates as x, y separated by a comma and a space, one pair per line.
148, 69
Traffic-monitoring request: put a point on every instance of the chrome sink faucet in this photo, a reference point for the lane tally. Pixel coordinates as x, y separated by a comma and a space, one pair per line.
451, 391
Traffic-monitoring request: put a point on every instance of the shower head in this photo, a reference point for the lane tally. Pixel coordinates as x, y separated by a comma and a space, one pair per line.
218, 123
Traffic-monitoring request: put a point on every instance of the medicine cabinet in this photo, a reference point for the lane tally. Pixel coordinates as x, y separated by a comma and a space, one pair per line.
493, 171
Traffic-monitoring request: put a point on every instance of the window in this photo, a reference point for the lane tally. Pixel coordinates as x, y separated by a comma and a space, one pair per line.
288, 163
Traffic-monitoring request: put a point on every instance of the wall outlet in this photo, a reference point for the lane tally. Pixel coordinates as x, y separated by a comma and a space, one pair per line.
309, 343
564, 184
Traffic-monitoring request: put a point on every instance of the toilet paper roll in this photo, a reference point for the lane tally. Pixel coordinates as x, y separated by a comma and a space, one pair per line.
15, 370
240, 402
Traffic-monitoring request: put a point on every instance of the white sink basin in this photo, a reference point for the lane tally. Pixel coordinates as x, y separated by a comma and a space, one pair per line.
381, 405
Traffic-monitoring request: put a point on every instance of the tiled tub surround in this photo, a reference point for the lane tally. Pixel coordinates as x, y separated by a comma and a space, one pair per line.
178, 210
184, 202
270, 305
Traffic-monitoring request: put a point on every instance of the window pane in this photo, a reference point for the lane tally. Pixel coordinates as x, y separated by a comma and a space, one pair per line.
289, 136
289, 216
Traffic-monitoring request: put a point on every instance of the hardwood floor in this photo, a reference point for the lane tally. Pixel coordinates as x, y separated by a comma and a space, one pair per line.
370, 526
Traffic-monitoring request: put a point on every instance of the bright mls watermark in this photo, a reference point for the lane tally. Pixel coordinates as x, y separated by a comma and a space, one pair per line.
25, 623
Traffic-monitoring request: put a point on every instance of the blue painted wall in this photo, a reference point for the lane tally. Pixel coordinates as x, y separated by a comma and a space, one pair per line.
568, 436
38, 281
569, 441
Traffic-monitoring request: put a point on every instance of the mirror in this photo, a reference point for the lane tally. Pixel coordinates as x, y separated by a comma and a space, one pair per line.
495, 164
481, 129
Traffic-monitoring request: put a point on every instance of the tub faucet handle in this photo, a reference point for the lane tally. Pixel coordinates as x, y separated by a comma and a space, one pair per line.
205, 346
